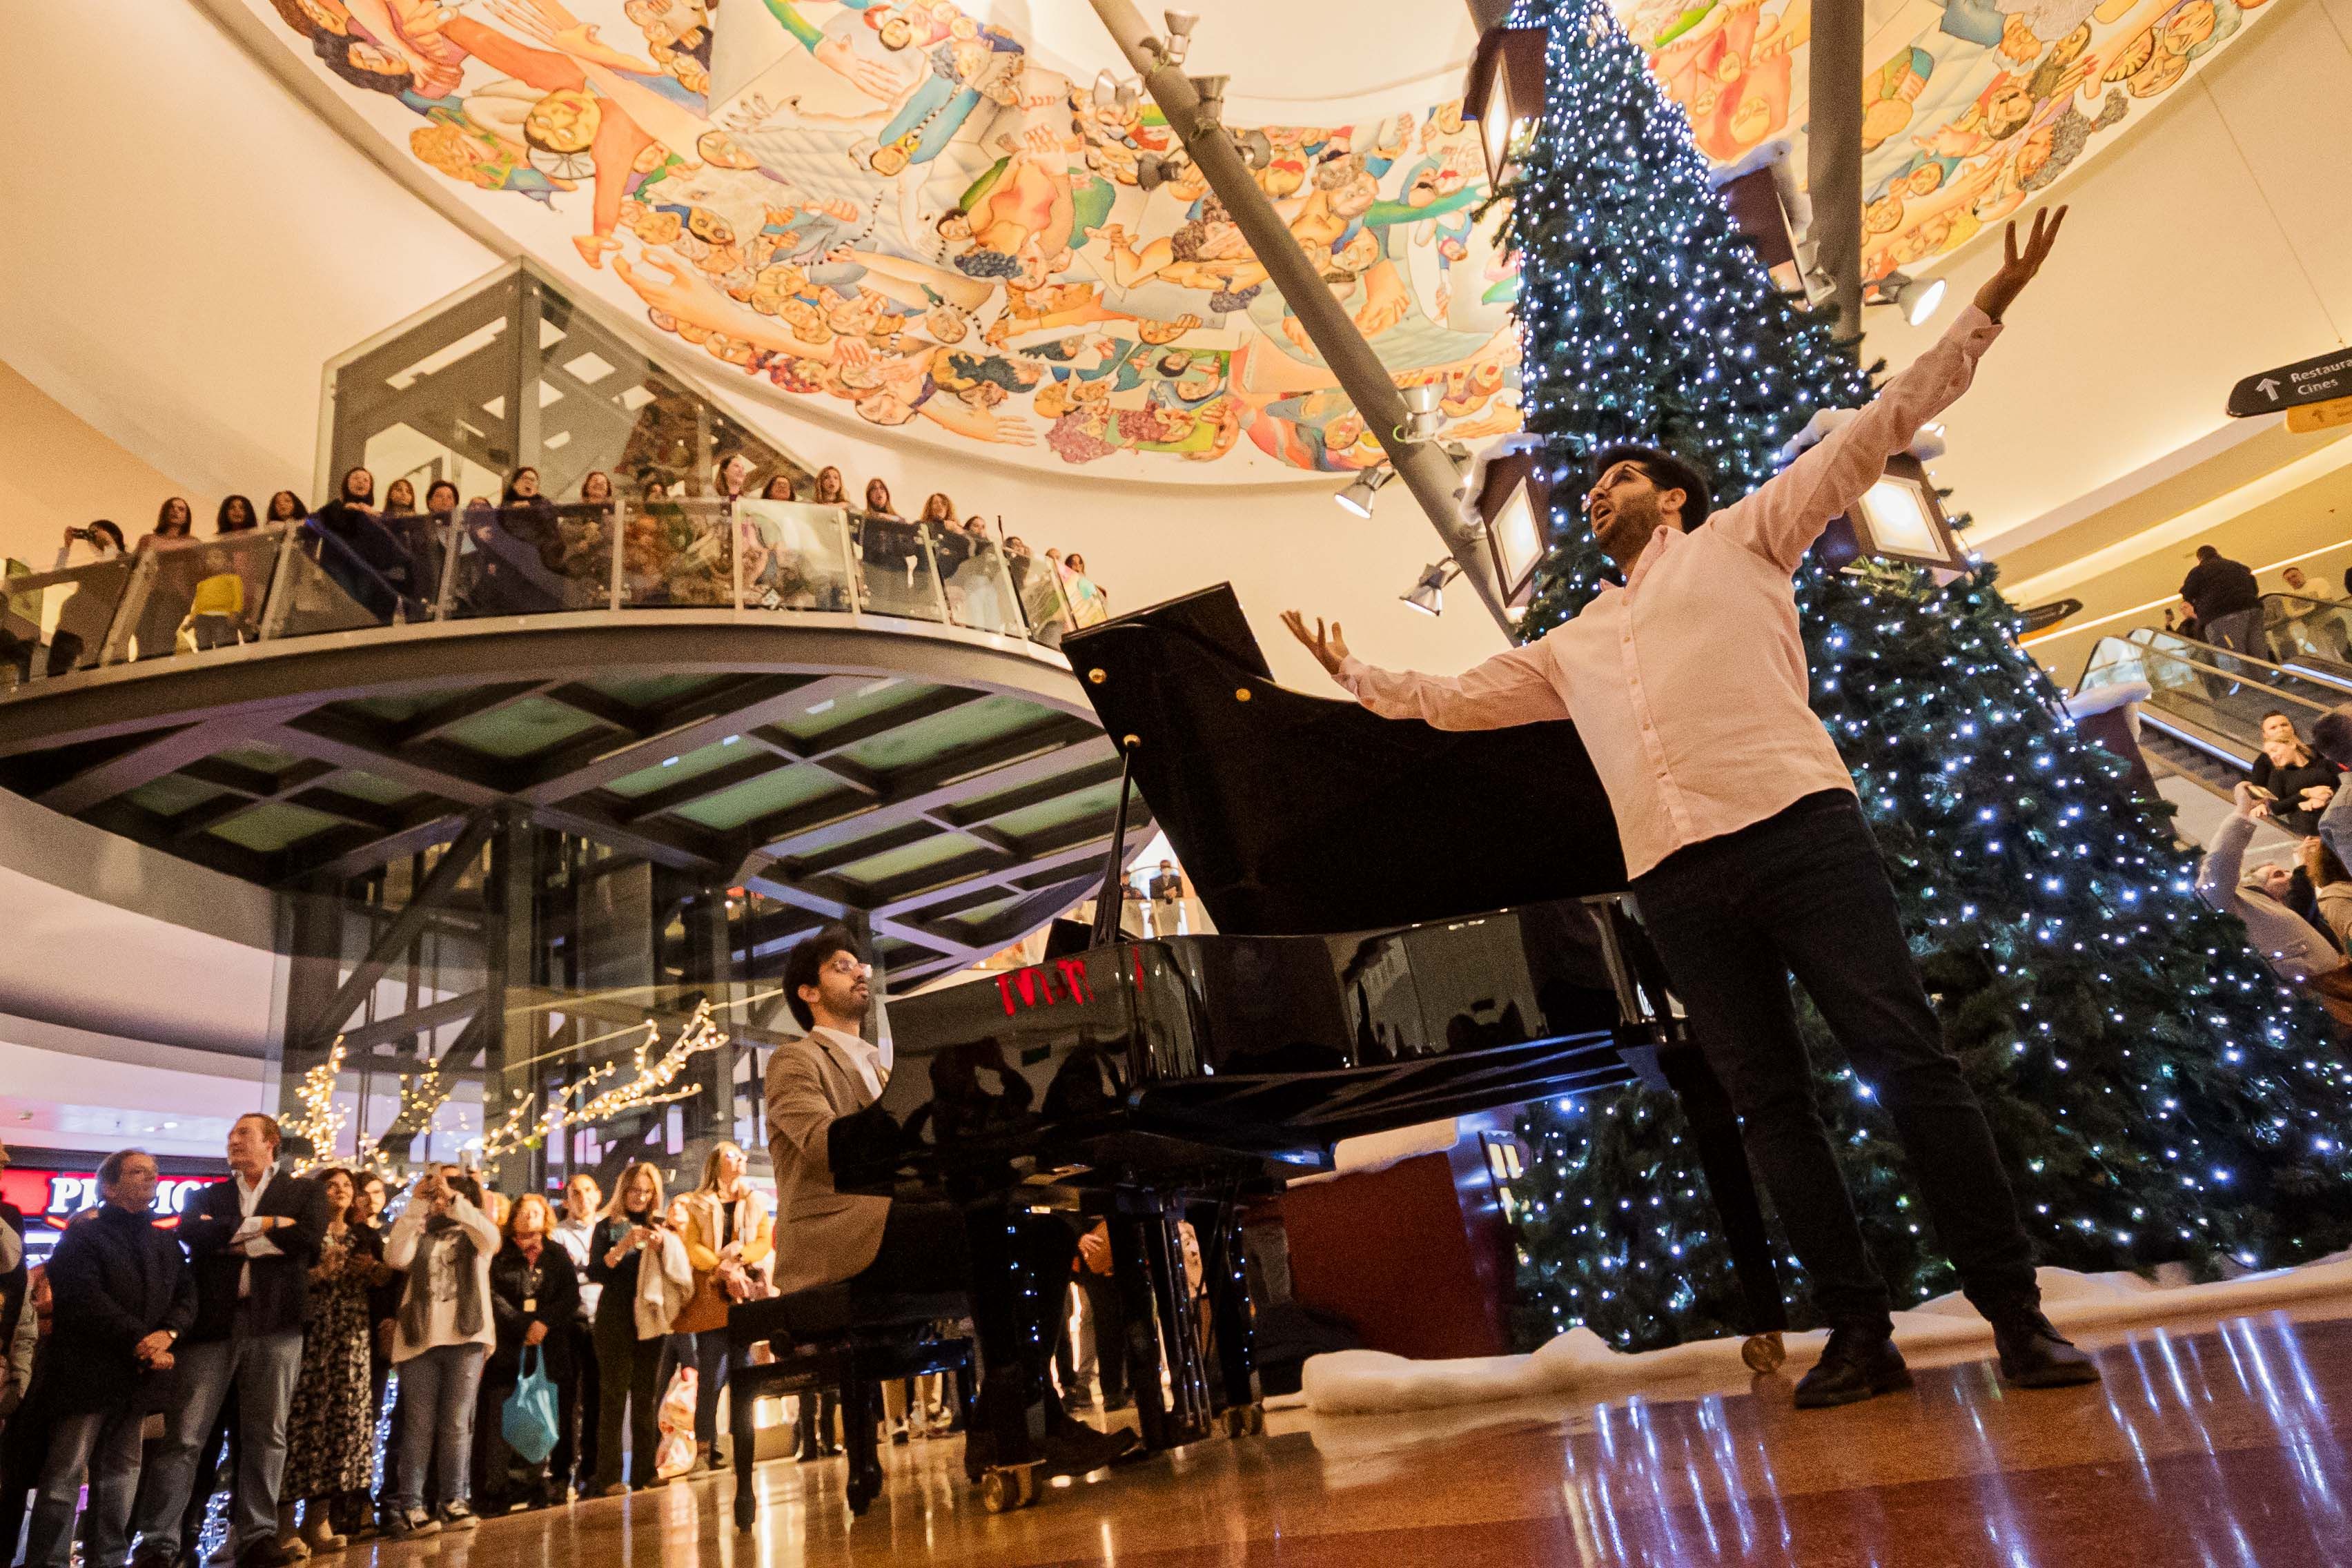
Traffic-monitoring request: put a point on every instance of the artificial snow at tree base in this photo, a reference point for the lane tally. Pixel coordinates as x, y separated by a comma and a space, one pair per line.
1579, 1363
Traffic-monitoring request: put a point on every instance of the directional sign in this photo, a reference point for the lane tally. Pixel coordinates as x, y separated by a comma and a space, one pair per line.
2320, 416
2316, 380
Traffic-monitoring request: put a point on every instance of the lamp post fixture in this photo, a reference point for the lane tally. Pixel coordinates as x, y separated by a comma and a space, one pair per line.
1504, 97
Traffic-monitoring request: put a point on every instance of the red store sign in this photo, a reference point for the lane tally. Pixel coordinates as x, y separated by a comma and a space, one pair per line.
51, 1197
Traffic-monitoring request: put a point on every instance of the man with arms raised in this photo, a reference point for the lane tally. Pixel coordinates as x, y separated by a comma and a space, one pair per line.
1749, 853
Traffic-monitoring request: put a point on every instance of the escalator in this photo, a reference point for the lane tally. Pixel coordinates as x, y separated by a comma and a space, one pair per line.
2203, 719
2311, 636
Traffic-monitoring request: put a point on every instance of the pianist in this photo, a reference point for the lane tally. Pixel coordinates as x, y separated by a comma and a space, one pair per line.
822, 1094
1748, 849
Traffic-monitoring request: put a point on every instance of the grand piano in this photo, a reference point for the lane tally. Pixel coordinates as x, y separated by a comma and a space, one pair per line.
1412, 924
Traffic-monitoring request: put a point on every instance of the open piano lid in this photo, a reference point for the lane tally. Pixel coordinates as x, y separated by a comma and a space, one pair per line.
1297, 814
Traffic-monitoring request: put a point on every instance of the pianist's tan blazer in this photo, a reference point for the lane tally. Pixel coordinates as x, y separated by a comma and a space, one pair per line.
821, 1237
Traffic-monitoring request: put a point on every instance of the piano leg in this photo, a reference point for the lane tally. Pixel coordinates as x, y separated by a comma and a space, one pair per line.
1230, 1319
1716, 1131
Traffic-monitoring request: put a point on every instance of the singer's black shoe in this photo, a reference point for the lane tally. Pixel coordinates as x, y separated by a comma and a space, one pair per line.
2035, 1355
1859, 1362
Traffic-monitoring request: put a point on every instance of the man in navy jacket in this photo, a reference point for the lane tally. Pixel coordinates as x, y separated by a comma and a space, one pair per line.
123, 1297
252, 1240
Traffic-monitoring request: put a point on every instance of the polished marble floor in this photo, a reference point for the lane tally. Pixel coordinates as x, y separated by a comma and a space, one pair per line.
2208, 1444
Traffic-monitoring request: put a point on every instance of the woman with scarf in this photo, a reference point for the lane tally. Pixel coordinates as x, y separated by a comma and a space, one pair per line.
730, 1236
444, 1242
330, 1427
534, 1296
633, 1320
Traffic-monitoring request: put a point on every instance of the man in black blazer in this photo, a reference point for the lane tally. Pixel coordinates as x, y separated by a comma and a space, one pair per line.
252, 1240
123, 1298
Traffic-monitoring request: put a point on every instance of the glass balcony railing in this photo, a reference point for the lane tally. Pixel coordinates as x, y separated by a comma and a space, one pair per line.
348, 572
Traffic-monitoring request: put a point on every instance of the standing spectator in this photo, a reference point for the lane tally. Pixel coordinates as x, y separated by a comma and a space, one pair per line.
574, 1459
235, 516
332, 1446
1165, 888
2228, 606
535, 1297
729, 1238
780, 487
830, 490
24, 1435
1089, 606
252, 1241
400, 499
2300, 783
356, 1513
877, 500
444, 1241
14, 1279
89, 609
634, 1310
123, 1299
731, 478
287, 507
175, 521
440, 496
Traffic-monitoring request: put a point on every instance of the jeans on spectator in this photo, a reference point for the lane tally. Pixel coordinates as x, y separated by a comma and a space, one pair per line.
2240, 631
1803, 893
264, 1368
107, 1442
436, 1423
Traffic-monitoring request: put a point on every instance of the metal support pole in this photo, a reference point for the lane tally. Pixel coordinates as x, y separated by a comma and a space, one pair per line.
1425, 470
1833, 155
511, 1042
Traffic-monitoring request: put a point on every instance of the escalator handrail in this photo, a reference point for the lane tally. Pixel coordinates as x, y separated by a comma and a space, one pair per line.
2146, 635
2230, 675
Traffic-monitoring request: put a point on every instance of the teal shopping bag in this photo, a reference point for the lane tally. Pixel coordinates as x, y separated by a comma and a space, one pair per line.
529, 1421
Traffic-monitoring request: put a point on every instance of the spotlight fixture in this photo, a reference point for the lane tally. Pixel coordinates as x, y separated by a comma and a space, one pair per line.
1180, 36
1422, 414
1105, 86
1428, 593
1916, 298
1357, 497
1153, 170
1255, 148
1212, 90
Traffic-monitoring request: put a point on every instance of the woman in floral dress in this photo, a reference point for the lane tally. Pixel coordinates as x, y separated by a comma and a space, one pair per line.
330, 1429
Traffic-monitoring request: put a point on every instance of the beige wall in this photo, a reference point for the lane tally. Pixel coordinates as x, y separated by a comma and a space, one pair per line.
56, 472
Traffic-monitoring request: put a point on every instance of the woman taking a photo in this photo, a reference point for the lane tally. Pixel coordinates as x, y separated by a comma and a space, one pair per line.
444, 1242
331, 1424
633, 1318
729, 1239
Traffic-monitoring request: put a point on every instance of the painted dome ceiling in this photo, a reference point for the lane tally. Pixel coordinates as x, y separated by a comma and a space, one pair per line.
913, 214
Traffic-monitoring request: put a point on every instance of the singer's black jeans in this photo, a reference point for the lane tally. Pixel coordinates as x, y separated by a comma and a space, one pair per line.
1803, 894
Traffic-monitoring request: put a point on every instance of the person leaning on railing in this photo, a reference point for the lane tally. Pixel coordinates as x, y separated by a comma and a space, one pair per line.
88, 609
2297, 952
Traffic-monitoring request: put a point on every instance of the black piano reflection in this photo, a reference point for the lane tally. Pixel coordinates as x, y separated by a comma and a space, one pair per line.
1411, 925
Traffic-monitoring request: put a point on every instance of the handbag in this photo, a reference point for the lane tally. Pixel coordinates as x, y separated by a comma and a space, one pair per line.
529, 1421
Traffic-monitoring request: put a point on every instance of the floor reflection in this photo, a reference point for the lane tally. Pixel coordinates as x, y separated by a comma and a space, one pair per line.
2216, 1445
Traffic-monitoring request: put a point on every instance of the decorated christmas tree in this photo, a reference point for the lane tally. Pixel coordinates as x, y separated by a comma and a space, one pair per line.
2157, 1096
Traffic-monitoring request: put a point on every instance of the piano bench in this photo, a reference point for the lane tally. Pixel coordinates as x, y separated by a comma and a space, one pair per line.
833, 1337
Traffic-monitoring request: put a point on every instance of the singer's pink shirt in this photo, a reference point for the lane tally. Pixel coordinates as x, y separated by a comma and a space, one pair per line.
1688, 684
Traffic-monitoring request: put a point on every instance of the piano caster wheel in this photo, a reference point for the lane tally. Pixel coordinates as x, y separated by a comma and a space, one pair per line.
1763, 1352
1245, 1421
1008, 1486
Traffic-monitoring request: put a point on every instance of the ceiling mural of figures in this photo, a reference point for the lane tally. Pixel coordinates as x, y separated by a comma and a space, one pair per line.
1971, 107
898, 211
